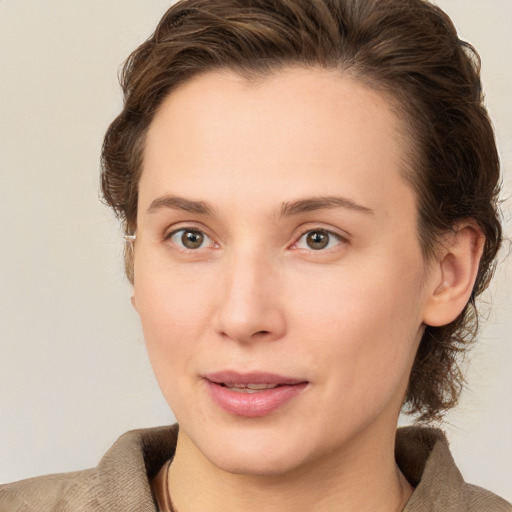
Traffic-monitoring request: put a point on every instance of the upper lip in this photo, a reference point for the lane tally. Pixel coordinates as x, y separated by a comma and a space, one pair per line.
233, 377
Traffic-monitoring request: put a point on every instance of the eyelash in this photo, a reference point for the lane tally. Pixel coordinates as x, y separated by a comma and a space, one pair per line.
169, 237
332, 236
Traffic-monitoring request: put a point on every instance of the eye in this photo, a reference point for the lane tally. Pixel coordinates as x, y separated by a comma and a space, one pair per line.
318, 239
190, 239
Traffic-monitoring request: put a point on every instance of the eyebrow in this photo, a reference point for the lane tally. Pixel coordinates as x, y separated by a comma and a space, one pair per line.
180, 203
321, 203
287, 209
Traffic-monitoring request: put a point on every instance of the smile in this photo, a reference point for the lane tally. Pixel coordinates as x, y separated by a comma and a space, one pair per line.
252, 395
249, 388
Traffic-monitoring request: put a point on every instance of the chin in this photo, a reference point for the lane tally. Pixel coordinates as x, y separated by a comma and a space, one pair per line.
258, 462
255, 449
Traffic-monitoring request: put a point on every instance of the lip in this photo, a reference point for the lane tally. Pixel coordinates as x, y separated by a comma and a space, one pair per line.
233, 377
256, 404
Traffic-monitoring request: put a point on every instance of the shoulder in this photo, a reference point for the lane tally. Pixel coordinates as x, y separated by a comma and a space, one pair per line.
120, 482
480, 499
65, 490
424, 457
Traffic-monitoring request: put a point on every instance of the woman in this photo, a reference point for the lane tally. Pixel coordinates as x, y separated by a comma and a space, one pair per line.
308, 191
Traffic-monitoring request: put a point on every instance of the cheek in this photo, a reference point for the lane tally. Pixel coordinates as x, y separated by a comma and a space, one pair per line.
170, 301
175, 313
362, 327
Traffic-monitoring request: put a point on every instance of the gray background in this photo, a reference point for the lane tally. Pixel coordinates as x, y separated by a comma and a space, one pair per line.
73, 369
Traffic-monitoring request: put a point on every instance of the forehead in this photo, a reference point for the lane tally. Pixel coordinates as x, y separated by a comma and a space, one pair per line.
297, 128
311, 102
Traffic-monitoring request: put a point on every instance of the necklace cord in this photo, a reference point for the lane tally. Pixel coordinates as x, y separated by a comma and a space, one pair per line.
167, 495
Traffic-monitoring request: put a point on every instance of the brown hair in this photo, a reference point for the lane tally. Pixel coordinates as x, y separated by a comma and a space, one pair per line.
407, 50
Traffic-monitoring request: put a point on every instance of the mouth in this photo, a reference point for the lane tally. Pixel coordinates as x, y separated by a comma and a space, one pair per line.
250, 388
252, 380
252, 394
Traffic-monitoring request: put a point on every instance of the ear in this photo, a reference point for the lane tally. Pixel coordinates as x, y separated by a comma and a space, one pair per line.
453, 274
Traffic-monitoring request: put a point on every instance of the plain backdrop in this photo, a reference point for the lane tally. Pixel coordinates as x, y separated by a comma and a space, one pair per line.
73, 369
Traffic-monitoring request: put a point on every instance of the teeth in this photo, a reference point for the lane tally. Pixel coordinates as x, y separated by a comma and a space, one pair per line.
249, 388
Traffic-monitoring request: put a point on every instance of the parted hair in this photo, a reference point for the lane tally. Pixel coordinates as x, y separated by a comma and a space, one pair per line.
409, 51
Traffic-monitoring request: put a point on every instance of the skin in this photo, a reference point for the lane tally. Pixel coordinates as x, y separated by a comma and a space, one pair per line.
255, 296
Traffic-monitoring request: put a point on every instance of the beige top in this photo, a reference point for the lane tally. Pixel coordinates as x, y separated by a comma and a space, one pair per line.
121, 481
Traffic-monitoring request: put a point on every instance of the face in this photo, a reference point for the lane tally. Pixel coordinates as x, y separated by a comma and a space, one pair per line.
278, 275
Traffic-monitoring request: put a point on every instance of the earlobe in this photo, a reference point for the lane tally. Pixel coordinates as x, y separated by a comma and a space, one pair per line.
454, 274
134, 302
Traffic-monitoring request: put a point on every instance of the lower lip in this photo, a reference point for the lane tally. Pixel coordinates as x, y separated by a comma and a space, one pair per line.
253, 405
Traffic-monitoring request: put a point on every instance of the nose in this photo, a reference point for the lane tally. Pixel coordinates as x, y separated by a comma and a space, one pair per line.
249, 306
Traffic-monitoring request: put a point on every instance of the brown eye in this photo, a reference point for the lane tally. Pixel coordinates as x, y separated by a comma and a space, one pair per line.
317, 240
189, 239
192, 239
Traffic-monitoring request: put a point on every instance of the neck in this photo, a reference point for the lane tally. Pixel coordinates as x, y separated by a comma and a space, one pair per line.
359, 479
